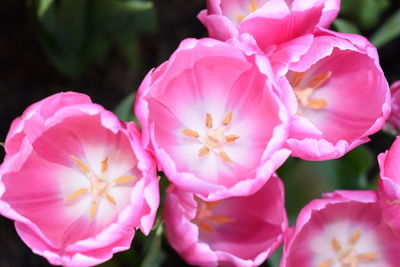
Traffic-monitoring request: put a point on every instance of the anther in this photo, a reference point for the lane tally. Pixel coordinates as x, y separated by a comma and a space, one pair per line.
204, 151
221, 219
326, 263
231, 138
124, 179
82, 166
227, 119
367, 257
224, 156
190, 133
319, 79
76, 194
110, 199
93, 210
104, 165
209, 122
297, 78
253, 5
336, 245
317, 103
354, 238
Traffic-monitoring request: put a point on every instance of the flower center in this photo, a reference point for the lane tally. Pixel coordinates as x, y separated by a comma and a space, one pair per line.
214, 138
348, 256
99, 185
304, 91
252, 6
205, 217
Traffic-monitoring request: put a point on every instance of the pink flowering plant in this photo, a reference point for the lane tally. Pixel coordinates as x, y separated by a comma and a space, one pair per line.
255, 144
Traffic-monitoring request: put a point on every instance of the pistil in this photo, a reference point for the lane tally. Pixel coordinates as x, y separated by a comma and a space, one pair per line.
99, 185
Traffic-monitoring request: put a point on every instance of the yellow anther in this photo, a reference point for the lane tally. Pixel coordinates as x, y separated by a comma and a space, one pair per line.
104, 165
82, 166
110, 199
204, 151
124, 179
224, 156
221, 219
190, 133
367, 257
297, 78
319, 79
93, 210
231, 138
227, 119
253, 6
240, 17
76, 194
326, 263
317, 103
209, 122
205, 227
354, 238
336, 245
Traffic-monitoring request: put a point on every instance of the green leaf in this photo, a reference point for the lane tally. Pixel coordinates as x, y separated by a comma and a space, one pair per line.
124, 109
43, 6
388, 31
275, 258
307, 180
346, 26
155, 256
365, 13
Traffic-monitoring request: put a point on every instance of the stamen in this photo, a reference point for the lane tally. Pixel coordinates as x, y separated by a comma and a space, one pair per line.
224, 156
205, 227
190, 133
240, 17
354, 237
227, 119
317, 103
221, 219
124, 179
336, 245
93, 210
319, 79
253, 5
104, 165
326, 263
76, 194
80, 164
209, 122
367, 257
110, 199
204, 151
297, 78
231, 138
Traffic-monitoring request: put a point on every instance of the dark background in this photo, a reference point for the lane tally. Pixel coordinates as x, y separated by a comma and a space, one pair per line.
27, 75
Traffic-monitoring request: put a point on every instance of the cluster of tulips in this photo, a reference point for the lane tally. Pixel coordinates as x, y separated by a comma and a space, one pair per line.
218, 119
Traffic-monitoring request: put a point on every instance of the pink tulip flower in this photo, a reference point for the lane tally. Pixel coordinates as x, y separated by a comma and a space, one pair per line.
211, 118
237, 231
344, 229
394, 119
342, 94
271, 22
76, 181
389, 185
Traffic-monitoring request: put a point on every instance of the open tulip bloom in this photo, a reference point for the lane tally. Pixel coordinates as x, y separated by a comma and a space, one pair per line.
237, 231
270, 22
212, 119
76, 181
342, 95
389, 185
345, 229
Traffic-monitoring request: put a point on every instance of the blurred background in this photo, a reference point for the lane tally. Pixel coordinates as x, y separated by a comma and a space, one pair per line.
104, 48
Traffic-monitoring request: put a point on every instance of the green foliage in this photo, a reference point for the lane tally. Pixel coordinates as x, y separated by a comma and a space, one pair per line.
343, 25
78, 33
365, 13
307, 180
388, 31
124, 109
